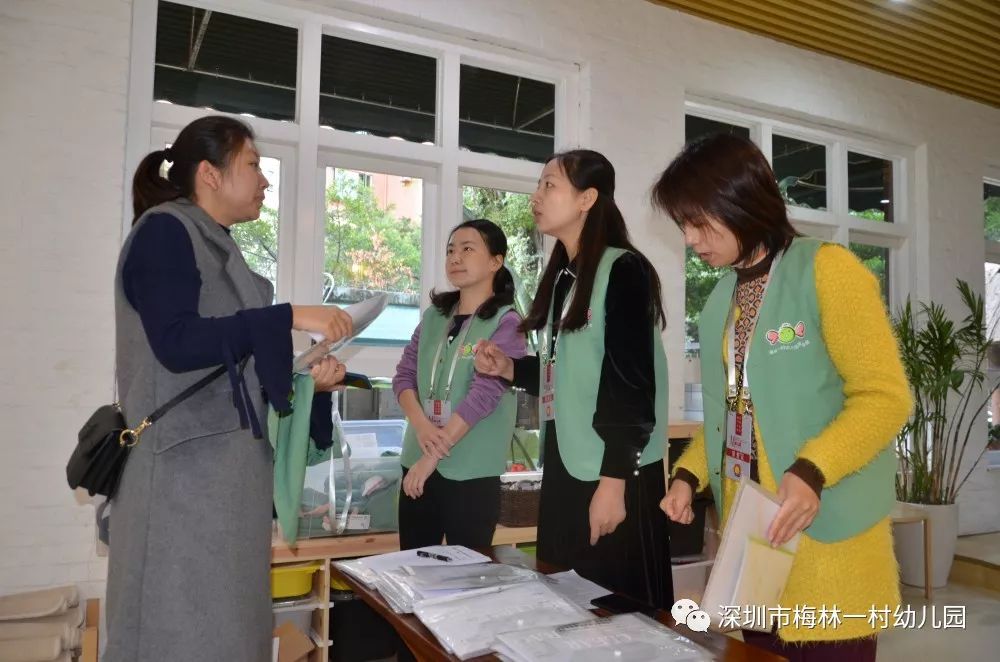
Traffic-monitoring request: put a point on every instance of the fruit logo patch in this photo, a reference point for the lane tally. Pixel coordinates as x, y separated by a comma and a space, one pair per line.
786, 333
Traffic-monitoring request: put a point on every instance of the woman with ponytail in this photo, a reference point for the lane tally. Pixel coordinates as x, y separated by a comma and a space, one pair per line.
190, 553
460, 423
601, 375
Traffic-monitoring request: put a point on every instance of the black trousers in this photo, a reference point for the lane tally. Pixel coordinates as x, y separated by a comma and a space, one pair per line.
463, 511
634, 559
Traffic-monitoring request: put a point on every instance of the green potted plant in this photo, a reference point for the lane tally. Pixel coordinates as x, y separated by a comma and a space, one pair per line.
945, 363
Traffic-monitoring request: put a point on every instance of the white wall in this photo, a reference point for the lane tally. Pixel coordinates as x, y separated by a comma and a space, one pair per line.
63, 80
63, 75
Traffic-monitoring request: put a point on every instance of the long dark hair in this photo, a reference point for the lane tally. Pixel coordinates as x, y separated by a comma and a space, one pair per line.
603, 227
216, 139
503, 282
727, 178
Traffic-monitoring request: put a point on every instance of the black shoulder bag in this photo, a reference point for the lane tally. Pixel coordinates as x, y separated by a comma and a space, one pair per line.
105, 442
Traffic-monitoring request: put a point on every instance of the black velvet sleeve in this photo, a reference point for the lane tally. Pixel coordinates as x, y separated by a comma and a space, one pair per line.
625, 414
527, 375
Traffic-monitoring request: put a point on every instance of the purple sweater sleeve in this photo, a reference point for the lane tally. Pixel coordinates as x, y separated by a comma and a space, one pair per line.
485, 392
406, 369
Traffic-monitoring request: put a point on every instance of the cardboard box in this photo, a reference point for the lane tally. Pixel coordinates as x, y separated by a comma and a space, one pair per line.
293, 644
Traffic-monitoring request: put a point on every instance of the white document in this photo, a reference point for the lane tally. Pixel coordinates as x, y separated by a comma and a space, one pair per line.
622, 638
362, 314
468, 624
367, 569
576, 589
747, 572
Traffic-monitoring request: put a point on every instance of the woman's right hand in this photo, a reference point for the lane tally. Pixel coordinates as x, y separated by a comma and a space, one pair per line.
677, 503
432, 440
329, 321
490, 360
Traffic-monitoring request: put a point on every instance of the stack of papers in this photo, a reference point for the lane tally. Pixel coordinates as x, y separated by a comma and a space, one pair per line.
469, 623
747, 571
407, 586
622, 638
362, 314
367, 570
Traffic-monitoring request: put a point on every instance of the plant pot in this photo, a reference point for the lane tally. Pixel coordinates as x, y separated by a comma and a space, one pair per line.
908, 541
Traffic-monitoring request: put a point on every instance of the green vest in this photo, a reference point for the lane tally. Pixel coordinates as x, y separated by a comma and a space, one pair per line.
579, 359
482, 452
796, 392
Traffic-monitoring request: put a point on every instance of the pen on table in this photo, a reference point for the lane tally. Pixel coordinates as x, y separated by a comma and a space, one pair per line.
437, 557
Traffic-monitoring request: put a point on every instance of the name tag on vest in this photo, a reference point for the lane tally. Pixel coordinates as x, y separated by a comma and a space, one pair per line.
549, 391
438, 411
739, 444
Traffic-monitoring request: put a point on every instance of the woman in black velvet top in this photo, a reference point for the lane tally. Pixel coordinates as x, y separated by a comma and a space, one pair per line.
599, 505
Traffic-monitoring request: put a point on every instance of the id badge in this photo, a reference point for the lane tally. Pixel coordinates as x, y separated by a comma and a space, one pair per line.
438, 411
549, 391
739, 444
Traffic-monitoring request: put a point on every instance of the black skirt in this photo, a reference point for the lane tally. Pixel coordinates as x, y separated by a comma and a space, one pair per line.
634, 559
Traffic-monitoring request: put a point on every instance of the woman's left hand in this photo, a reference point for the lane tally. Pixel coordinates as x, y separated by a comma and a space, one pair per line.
328, 373
417, 475
799, 505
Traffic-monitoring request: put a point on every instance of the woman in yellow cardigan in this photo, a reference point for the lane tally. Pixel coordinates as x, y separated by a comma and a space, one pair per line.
810, 333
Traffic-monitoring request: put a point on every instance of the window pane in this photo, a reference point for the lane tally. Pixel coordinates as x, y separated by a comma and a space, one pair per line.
992, 301
506, 115
259, 240
699, 281
377, 90
373, 223
512, 212
869, 187
800, 168
991, 210
876, 258
225, 62
698, 127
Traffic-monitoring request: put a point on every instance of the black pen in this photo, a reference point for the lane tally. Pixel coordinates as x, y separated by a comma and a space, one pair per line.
437, 557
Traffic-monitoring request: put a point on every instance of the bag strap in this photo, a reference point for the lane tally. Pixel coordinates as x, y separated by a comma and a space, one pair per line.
131, 437
186, 393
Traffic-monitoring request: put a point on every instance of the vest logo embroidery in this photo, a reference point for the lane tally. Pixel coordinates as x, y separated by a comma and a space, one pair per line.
786, 336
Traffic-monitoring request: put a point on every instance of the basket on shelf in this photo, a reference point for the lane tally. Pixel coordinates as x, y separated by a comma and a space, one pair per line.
520, 492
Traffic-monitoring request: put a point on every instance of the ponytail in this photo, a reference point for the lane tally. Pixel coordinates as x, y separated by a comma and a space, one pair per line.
503, 293
215, 138
149, 187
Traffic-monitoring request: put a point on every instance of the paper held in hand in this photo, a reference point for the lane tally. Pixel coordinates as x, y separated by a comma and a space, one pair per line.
748, 572
362, 313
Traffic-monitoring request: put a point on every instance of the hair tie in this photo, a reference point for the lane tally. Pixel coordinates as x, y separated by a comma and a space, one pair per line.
168, 154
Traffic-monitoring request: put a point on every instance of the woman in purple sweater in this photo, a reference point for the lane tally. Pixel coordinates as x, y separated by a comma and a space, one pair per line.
460, 422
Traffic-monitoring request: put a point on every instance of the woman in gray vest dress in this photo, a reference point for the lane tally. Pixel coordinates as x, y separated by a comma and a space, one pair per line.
189, 562
601, 375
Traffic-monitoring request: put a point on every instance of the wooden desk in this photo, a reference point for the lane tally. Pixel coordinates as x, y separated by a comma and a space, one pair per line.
426, 648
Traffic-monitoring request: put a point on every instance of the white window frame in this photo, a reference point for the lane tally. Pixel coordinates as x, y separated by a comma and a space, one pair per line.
835, 223
306, 148
991, 176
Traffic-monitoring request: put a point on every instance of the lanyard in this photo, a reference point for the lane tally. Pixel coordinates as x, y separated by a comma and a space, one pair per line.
460, 340
547, 330
744, 386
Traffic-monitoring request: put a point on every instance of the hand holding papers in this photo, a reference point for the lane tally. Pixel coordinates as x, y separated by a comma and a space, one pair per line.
362, 314
747, 571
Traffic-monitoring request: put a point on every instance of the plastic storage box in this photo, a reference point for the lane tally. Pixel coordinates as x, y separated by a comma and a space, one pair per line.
359, 494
